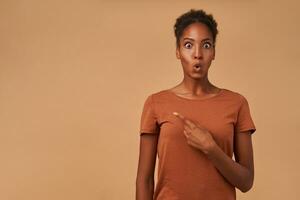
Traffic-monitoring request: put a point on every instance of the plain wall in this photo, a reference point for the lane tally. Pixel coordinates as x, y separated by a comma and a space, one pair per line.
74, 76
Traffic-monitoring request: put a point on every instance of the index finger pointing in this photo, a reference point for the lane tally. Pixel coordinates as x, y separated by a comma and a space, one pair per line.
186, 121
181, 117
178, 115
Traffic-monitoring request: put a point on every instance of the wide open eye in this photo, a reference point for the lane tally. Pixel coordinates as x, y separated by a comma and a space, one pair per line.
188, 45
207, 45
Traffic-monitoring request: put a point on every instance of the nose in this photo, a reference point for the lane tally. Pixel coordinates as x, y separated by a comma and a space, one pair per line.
198, 53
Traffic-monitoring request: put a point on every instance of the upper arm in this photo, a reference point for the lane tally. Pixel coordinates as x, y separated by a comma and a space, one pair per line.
243, 150
147, 157
149, 134
244, 129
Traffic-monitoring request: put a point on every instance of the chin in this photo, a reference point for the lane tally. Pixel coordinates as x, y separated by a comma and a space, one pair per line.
196, 76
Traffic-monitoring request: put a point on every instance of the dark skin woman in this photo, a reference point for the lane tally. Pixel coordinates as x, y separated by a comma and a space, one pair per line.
196, 51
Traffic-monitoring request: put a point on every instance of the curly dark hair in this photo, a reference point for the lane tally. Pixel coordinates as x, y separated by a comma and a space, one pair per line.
193, 16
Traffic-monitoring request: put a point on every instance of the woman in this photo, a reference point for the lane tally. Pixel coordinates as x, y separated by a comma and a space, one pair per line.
195, 127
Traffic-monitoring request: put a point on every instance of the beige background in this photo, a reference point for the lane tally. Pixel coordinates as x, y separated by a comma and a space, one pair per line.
74, 76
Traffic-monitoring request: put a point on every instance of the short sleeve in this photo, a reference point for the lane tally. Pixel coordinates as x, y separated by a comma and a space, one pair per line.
244, 120
148, 123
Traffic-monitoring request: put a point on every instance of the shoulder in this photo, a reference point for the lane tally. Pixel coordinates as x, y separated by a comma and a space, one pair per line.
237, 96
155, 98
159, 95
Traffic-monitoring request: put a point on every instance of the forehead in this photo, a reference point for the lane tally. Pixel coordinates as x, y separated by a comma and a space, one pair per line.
197, 31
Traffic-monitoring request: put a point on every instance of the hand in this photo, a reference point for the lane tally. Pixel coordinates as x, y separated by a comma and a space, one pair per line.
196, 135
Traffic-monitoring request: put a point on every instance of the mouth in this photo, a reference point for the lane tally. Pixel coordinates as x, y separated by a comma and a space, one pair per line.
197, 67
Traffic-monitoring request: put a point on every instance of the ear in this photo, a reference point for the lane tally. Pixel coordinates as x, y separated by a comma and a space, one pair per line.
177, 53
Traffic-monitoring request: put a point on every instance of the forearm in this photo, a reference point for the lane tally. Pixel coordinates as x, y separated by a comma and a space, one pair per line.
144, 190
235, 173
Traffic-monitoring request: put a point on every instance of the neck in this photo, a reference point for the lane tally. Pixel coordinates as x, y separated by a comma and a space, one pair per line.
197, 86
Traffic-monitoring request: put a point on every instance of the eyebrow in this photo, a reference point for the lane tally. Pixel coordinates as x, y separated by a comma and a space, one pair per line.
187, 38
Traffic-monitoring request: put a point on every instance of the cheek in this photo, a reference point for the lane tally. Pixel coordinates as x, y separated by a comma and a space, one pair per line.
210, 54
185, 62
208, 58
186, 56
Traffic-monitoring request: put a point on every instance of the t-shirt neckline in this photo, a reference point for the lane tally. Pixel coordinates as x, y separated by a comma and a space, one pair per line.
186, 99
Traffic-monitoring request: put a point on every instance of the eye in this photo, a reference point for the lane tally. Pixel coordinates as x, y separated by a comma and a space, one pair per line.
188, 45
207, 45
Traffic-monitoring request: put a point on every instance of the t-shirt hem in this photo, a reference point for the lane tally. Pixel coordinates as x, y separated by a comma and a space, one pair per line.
145, 131
252, 130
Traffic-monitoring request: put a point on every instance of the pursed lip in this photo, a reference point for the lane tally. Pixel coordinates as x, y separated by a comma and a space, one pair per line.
197, 65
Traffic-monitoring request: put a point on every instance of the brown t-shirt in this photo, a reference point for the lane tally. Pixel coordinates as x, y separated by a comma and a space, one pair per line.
184, 172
